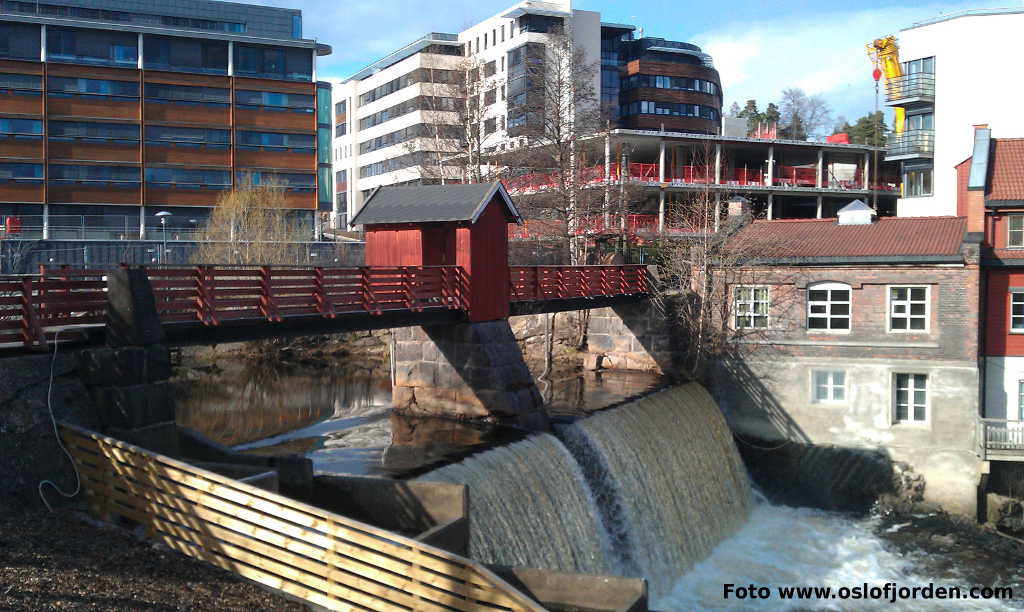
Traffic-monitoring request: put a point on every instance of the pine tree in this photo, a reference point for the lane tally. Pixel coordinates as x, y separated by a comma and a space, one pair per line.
734, 110
752, 115
864, 130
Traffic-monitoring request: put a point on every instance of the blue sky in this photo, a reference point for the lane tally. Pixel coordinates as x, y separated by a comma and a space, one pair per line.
759, 49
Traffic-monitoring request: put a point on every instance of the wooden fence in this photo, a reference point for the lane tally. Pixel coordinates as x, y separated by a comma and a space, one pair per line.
566, 282
323, 558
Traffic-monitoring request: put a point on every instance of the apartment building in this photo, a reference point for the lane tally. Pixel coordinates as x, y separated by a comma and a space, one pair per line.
483, 80
112, 111
955, 76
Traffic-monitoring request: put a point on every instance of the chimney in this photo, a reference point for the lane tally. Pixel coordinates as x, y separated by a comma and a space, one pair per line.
977, 179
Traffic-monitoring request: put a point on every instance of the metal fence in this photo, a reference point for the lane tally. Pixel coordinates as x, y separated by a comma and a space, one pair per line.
25, 256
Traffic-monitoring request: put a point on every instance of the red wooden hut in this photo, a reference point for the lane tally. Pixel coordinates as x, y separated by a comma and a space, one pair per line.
446, 225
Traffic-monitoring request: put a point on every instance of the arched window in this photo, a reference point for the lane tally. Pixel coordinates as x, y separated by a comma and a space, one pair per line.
828, 307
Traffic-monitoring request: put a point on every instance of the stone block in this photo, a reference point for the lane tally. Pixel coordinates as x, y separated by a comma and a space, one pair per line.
135, 406
592, 361
408, 351
598, 325
622, 344
403, 398
600, 343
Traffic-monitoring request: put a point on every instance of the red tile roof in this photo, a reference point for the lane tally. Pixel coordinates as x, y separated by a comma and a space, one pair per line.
892, 237
1007, 171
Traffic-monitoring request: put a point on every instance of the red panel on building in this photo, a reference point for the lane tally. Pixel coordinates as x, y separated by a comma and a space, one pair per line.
998, 339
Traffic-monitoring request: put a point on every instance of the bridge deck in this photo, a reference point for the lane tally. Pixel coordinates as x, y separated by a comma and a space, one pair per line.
211, 304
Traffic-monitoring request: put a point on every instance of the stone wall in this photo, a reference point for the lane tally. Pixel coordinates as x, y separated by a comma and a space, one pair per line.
631, 337
467, 370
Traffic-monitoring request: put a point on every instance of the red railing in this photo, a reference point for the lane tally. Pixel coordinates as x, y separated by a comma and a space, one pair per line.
33, 308
593, 225
213, 294
742, 176
563, 282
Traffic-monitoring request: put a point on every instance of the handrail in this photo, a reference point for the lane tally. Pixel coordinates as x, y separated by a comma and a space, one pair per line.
1000, 435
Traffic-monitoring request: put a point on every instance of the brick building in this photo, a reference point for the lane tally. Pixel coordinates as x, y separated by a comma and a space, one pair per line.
861, 332
113, 110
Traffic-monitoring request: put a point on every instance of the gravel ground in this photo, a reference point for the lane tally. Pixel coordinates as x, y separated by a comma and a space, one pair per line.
61, 561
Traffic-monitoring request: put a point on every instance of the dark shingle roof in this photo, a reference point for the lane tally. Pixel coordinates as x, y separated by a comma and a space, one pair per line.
431, 203
812, 240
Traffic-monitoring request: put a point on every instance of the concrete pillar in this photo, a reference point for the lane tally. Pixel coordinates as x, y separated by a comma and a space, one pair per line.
607, 176
867, 170
661, 209
465, 370
42, 43
661, 161
139, 63
142, 223
821, 166
771, 167
771, 204
46, 221
231, 58
718, 163
818, 216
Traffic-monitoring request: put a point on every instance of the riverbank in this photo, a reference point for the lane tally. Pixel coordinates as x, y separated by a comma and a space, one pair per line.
63, 561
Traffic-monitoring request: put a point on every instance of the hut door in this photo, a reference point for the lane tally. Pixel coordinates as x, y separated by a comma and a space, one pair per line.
439, 245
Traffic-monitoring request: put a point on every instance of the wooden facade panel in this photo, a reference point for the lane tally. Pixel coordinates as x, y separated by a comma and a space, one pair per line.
92, 72
92, 108
181, 197
438, 244
273, 120
20, 67
274, 85
489, 292
84, 193
182, 113
15, 191
696, 71
999, 341
300, 199
12, 104
275, 159
93, 151
180, 78
392, 245
23, 149
202, 156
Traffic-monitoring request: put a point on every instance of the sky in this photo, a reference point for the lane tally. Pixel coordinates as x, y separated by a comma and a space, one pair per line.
759, 49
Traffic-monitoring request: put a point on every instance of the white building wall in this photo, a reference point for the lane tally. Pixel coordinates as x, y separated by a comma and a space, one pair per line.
976, 81
1002, 380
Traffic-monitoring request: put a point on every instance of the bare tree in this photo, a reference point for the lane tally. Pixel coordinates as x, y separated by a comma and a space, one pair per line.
14, 255
803, 116
251, 225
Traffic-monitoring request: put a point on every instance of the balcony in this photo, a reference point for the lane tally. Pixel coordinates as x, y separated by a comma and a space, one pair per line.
1000, 439
911, 144
910, 89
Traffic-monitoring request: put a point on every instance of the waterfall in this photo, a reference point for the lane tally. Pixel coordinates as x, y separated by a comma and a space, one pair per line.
530, 506
670, 463
648, 488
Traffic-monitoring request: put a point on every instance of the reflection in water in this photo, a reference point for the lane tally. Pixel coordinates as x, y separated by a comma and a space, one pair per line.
342, 419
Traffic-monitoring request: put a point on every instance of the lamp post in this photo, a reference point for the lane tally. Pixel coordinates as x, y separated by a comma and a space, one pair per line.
162, 215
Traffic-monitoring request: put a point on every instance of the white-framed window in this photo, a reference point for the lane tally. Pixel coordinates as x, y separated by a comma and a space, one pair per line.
828, 307
910, 398
751, 306
1015, 230
1020, 400
1017, 312
828, 386
908, 309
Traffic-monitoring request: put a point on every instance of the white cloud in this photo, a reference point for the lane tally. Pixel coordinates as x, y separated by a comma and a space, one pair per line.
820, 53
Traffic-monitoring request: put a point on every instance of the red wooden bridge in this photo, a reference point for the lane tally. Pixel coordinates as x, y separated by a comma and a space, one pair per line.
209, 304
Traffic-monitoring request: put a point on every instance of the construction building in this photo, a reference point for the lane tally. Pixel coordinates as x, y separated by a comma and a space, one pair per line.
949, 74
112, 111
384, 114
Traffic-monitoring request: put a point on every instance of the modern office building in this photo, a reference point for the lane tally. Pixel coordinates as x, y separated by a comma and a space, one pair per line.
954, 76
384, 114
114, 110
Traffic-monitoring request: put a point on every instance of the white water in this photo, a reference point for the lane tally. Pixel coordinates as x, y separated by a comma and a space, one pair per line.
784, 546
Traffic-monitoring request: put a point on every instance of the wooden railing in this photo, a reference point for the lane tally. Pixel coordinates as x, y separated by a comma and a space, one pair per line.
317, 556
566, 282
33, 308
1000, 437
213, 294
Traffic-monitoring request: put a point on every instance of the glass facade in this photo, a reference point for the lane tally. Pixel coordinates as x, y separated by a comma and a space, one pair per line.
302, 143
21, 82
19, 41
189, 178
21, 127
98, 174
274, 101
670, 108
86, 130
160, 134
265, 62
185, 54
93, 87
158, 93
99, 47
21, 172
